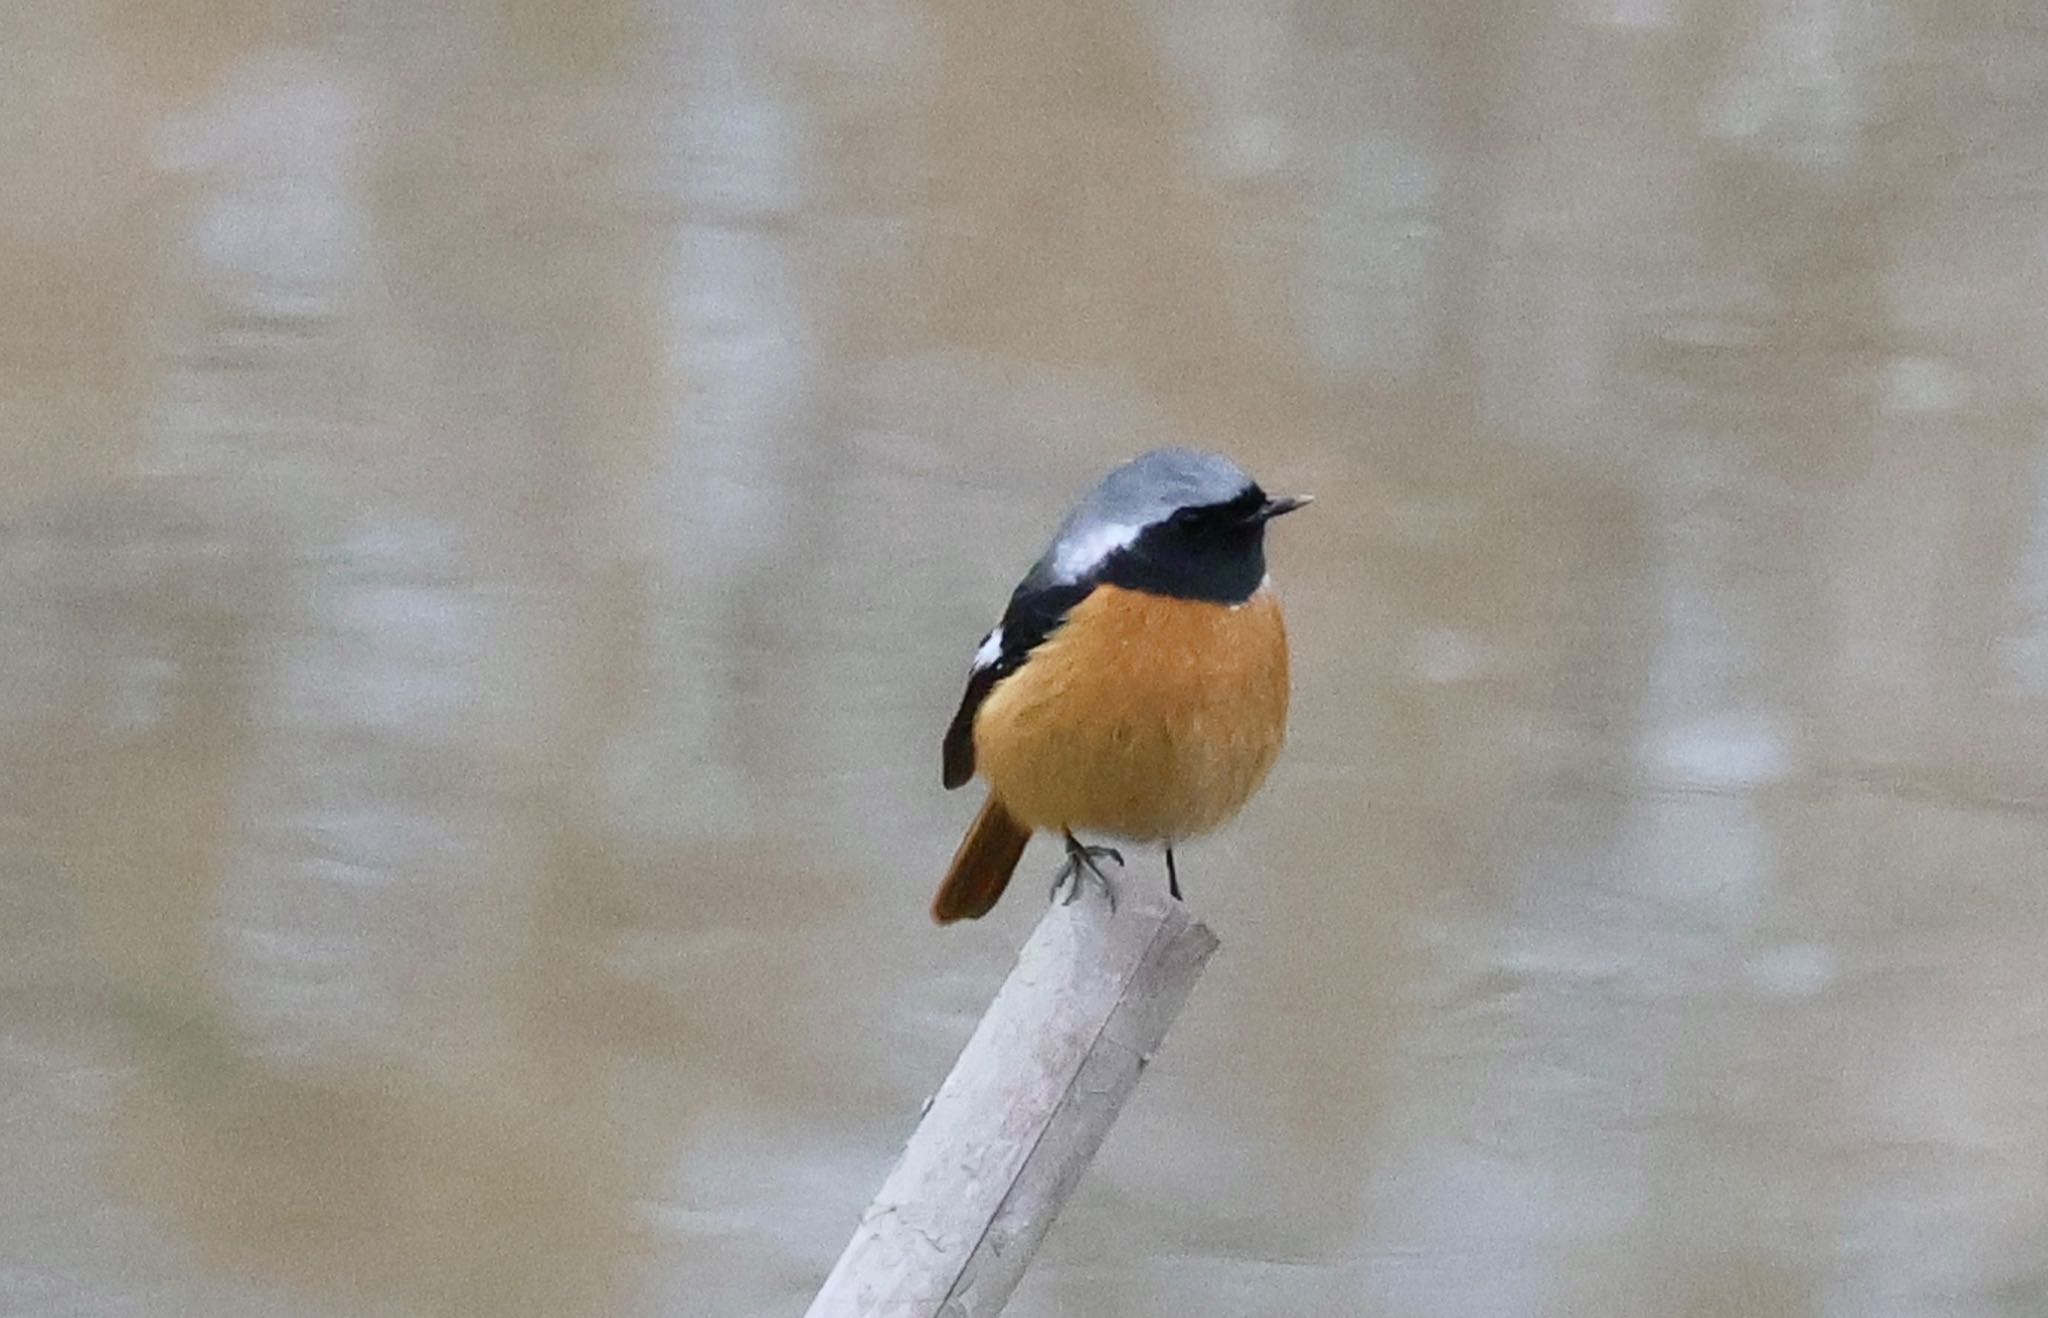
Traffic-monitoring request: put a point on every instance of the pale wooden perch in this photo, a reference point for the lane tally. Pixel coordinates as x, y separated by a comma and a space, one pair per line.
1024, 1110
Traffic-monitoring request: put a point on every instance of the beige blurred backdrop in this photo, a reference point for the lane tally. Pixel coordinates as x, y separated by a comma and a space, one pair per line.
496, 500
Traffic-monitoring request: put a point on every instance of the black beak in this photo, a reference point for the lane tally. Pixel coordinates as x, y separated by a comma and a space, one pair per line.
1286, 503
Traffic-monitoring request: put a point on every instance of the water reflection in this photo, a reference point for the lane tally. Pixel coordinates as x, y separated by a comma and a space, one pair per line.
497, 499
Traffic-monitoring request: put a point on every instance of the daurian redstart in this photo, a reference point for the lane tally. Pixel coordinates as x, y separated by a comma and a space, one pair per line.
1137, 684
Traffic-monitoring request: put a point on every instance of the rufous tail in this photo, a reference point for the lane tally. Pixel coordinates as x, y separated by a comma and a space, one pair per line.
982, 866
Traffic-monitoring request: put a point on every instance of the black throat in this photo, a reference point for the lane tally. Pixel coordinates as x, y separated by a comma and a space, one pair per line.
1216, 554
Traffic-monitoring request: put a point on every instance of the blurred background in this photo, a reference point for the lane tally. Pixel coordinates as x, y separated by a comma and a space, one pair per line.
497, 499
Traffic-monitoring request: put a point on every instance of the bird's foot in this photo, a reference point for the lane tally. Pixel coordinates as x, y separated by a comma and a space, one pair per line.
1083, 863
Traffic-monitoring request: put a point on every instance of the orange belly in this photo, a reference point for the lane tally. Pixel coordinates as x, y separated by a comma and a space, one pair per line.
1143, 717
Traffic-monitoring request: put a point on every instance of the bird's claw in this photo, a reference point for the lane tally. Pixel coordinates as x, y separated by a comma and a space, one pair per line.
1081, 865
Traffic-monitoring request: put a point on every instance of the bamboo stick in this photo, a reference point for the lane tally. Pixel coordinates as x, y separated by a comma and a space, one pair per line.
1026, 1106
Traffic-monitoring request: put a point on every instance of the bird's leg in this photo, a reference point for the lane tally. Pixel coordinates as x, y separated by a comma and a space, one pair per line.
1172, 879
1081, 862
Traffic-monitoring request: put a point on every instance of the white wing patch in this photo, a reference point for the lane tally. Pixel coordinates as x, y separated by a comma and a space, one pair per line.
990, 651
1082, 553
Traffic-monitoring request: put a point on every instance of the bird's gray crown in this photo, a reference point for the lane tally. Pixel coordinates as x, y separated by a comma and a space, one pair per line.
1148, 489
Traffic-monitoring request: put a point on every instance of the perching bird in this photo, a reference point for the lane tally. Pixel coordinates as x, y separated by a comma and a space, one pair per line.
1137, 684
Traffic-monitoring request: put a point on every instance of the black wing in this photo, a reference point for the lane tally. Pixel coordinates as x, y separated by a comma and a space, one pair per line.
1035, 612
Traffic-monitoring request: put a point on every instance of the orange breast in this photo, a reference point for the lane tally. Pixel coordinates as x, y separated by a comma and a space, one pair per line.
1142, 717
